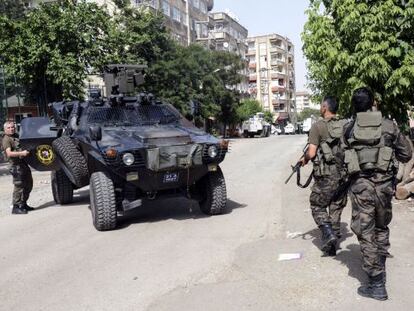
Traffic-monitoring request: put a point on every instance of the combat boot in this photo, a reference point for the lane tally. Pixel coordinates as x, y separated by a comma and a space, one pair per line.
27, 207
332, 251
18, 209
328, 237
375, 288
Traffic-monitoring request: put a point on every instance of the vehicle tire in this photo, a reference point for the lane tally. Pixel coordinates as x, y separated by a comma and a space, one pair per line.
62, 187
245, 134
215, 195
73, 159
251, 135
103, 202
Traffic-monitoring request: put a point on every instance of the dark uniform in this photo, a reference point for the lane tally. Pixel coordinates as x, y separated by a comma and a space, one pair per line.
327, 173
373, 145
22, 175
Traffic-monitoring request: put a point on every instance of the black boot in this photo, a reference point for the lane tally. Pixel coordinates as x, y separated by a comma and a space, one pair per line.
375, 288
18, 209
328, 237
332, 251
27, 207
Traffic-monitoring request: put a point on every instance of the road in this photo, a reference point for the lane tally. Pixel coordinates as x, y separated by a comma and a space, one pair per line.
169, 256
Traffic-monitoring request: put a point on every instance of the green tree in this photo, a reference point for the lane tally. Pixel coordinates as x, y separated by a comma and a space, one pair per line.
353, 43
53, 48
13, 9
194, 73
307, 113
248, 108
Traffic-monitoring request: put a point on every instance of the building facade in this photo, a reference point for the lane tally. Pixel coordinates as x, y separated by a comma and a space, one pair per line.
184, 18
303, 101
272, 75
225, 33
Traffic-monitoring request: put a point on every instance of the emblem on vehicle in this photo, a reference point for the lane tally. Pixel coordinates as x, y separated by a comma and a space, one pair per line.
45, 154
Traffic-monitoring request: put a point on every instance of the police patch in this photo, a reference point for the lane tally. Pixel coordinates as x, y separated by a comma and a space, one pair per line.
45, 154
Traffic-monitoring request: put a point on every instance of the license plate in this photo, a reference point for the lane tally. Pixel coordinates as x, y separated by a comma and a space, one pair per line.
170, 178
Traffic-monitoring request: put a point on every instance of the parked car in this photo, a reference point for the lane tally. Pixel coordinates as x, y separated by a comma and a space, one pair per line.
289, 129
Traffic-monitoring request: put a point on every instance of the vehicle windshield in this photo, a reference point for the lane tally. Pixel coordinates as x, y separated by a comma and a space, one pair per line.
135, 116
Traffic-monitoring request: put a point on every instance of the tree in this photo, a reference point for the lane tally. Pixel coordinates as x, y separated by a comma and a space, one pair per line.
194, 73
354, 43
53, 48
13, 9
248, 108
307, 113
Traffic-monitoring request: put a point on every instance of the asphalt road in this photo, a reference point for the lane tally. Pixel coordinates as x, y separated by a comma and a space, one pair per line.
169, 256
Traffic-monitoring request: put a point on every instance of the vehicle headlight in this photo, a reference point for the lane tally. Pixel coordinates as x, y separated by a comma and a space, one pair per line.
128, 159
212, 151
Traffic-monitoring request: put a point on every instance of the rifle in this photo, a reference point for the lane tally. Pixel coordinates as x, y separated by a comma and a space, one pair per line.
296, 170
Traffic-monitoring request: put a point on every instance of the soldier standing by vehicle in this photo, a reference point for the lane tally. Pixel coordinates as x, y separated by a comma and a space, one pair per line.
372, 143
325, 153
22, 176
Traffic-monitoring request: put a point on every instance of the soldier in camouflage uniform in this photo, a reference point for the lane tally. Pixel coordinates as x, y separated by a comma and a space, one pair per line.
22, 176
372, 145
324, 150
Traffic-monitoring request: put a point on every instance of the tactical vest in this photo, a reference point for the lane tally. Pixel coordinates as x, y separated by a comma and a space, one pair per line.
329, 155
367, 151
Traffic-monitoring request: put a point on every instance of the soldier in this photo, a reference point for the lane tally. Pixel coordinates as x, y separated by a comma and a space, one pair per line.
22, 176
371, 145
325, 153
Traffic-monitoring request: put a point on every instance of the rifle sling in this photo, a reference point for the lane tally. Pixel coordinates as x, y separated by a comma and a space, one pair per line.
298, 179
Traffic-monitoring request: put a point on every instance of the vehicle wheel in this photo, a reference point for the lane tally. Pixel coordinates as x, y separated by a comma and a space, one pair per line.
245, 134
103, 203
215, 196
62, 187
251, 135
72, 159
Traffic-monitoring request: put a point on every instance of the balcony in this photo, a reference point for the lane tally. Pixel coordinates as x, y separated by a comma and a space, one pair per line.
252, 77
252, 65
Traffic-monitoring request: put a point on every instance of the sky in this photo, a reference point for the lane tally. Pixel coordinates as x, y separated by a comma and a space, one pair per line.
284, 17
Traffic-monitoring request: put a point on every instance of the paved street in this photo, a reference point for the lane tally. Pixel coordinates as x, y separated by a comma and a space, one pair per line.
169, 256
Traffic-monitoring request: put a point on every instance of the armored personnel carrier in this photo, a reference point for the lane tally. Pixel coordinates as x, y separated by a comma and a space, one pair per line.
127, 148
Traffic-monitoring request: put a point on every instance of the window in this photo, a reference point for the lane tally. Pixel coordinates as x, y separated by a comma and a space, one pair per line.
196, 3
252, 45
166, 8
203, 7
176, 14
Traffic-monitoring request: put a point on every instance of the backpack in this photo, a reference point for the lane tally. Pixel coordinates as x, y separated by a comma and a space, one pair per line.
330, 155
366, 149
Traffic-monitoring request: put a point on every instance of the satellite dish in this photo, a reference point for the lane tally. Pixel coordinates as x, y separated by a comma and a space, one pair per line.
225, 45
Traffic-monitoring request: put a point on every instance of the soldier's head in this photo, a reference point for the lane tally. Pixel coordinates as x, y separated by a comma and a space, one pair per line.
329, 106
362, 100
9, 128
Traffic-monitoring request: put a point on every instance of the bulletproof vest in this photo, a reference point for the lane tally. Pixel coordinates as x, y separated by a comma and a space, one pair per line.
329, 153
367, 150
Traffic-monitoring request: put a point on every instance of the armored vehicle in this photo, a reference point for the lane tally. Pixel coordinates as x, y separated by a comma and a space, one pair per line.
127, 148
256, 125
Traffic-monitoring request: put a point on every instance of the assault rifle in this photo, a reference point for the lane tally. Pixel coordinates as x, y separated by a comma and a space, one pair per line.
296, 170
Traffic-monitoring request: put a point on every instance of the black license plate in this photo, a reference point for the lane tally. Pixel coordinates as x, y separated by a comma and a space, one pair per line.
170, 178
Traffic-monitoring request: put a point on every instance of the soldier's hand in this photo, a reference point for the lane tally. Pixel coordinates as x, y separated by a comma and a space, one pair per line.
303, 161
25, 153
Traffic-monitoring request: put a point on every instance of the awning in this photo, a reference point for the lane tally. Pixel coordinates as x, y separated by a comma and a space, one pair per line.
282, 116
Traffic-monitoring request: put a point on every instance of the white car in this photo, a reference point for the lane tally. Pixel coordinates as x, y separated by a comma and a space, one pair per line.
289, 129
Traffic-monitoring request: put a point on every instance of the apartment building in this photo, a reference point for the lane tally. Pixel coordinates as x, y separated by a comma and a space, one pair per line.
303, 101
225, 33
184, 18
272, 75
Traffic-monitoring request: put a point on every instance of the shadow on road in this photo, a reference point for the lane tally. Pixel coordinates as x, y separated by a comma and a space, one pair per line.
315, 235
350, 257
79, 197
160, 210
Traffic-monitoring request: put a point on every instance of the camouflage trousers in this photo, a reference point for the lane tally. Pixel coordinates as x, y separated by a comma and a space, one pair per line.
23, 183
371, 215
325, 210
